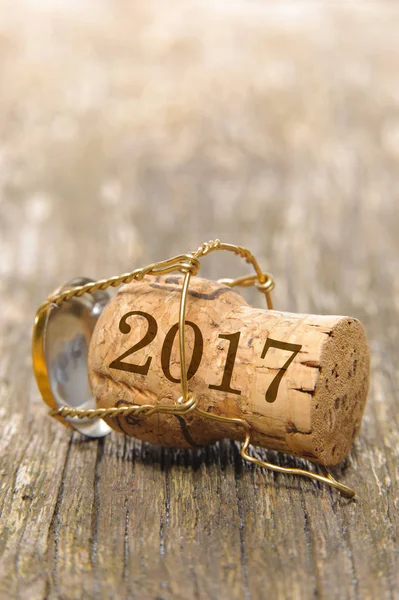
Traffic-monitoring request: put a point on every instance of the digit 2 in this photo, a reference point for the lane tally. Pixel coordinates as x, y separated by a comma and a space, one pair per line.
124, 327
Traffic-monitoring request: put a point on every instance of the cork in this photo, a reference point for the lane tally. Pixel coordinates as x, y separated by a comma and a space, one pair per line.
300, 381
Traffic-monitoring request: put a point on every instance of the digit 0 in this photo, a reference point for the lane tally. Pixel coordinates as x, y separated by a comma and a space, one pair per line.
167, 351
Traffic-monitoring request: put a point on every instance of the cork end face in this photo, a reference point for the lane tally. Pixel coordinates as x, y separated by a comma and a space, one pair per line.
341, 391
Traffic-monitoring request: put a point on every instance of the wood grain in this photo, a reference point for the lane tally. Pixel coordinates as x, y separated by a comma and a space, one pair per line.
130, 133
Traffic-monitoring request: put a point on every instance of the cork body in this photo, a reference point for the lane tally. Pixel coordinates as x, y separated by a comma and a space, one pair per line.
300, 381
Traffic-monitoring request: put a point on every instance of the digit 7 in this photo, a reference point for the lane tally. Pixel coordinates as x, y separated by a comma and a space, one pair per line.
272, 390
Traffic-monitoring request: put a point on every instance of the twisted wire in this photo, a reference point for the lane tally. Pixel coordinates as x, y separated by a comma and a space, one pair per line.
182, 263
144, 410
189, 265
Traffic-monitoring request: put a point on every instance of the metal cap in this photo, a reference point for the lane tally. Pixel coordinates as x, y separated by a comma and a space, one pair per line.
61, 339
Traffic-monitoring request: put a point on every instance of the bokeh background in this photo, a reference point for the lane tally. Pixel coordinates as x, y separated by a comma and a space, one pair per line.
167, 124
131, 131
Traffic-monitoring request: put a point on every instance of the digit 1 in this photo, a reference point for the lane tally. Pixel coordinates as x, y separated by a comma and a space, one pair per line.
225, 386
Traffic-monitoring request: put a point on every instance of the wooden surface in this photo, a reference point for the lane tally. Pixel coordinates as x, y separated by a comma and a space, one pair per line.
130, 134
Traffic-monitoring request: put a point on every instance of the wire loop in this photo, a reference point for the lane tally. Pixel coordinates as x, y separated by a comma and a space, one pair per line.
189, 265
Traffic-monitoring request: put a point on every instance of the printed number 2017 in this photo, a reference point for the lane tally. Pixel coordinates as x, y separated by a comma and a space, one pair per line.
233, 339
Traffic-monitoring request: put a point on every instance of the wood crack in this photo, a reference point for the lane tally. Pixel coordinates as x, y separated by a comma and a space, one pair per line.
55, 523
238, 463
95, 514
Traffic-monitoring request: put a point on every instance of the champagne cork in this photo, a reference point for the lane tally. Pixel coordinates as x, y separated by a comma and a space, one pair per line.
300, 381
